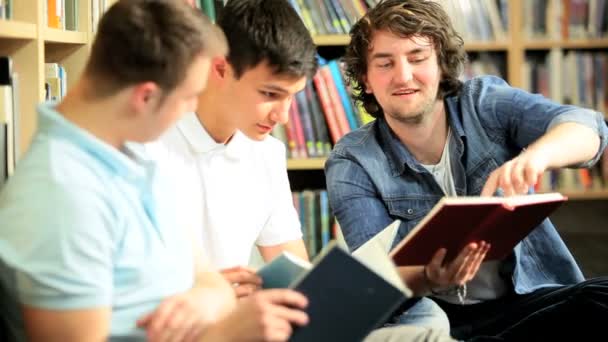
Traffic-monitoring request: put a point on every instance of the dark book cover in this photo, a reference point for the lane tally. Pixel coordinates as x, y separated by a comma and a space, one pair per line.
455, 222
346, 299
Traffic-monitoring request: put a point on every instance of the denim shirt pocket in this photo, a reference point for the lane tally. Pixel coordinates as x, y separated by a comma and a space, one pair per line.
410, 211
478, 176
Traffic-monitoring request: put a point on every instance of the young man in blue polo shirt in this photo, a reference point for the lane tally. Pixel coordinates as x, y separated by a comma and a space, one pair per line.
89, 250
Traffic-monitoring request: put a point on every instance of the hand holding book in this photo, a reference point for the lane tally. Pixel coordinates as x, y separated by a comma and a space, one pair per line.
455, 222
244, 280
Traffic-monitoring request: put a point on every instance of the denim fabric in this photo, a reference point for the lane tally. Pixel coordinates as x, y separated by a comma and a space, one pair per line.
372, 179
424, 313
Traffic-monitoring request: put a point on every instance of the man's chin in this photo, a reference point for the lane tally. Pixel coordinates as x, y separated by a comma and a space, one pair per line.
257, 136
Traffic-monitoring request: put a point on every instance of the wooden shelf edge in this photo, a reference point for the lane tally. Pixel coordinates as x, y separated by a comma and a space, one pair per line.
486, 46
344, 39
586, 195
17, 29
306, 164
52, 35
331, 40
590, 43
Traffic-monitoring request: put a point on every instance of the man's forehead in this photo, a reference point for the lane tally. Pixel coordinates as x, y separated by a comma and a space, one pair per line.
391, 43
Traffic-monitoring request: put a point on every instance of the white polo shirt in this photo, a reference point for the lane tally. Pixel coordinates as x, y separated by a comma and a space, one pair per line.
233, 196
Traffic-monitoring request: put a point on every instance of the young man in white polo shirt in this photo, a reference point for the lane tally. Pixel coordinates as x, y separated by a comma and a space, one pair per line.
230, 174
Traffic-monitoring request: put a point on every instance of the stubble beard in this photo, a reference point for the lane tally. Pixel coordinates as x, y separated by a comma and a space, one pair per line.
415, 118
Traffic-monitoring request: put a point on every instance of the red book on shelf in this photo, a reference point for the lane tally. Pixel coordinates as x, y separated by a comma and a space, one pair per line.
456, 221
328, 108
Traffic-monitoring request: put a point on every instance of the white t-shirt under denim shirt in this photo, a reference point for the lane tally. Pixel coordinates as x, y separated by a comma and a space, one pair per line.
487, 284
233, 196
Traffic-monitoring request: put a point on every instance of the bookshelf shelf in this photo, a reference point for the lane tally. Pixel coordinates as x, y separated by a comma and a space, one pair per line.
12, 29
52, 35
306, 164
597, 43
344, 39
487, 46
331, 40
586, 195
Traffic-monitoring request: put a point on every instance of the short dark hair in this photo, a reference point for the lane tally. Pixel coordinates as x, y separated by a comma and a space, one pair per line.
149, 40
405, 18
267, 31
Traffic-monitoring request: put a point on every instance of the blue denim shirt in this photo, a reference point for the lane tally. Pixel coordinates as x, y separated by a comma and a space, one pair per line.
373, 179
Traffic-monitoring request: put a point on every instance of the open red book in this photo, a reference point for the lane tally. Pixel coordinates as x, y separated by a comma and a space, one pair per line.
456, 221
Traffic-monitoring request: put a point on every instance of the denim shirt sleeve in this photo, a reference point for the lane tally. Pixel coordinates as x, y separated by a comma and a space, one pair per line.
352, 196
591, 119
519, 117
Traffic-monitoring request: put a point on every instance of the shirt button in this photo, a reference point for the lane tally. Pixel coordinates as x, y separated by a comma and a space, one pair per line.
410, 211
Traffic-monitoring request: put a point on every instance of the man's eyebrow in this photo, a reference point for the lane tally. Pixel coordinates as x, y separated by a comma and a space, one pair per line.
275, 88
413, 51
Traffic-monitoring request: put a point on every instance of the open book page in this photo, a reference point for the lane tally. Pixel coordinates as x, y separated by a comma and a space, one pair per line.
384, 238
282, 271
373, 255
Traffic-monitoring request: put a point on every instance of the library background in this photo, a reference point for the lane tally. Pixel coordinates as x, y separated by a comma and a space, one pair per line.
558, 48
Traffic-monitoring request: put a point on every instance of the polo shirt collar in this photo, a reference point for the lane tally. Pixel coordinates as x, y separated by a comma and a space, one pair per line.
202, 143
130, 164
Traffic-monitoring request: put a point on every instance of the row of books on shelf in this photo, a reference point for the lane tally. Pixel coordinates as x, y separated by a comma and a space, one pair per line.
477, 20
481, 20
6, 9
576, 180
55, 82
579, 78
565, 19
324, 17
63, 14
9, 120
321, 114
318, 225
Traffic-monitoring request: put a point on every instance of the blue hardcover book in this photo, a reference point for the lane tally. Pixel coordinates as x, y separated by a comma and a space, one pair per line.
348, 295
334, 68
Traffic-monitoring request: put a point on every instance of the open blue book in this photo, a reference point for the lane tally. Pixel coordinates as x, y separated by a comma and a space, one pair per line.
349, 294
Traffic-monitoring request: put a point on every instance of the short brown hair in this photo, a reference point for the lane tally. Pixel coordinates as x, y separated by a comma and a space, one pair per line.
149, 40
268, 31
405, 18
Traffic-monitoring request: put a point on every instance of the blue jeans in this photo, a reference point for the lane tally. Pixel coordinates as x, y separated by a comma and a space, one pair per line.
423, 312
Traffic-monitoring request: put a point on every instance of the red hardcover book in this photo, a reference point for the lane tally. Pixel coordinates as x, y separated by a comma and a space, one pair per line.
456, 221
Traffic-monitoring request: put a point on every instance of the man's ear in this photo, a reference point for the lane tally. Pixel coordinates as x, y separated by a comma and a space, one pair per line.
219, 67
366, 87
145, 97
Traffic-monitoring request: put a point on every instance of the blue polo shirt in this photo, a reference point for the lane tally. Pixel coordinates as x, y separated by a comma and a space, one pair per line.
84, 225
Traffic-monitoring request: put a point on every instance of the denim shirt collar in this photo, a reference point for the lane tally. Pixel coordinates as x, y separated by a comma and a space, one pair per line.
398, 155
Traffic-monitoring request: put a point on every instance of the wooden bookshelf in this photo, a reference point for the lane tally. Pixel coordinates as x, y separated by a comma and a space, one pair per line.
52, 35
12, 29
306, 164
545, 44
30, 44
586, 195
344, 39
331, 40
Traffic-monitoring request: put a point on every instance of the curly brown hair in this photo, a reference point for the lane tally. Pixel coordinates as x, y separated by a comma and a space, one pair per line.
405, 18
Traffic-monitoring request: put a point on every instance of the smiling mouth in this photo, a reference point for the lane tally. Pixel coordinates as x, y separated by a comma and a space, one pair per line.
405, 92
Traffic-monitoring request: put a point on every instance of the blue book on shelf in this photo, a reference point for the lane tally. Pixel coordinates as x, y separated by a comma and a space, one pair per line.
334, 68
